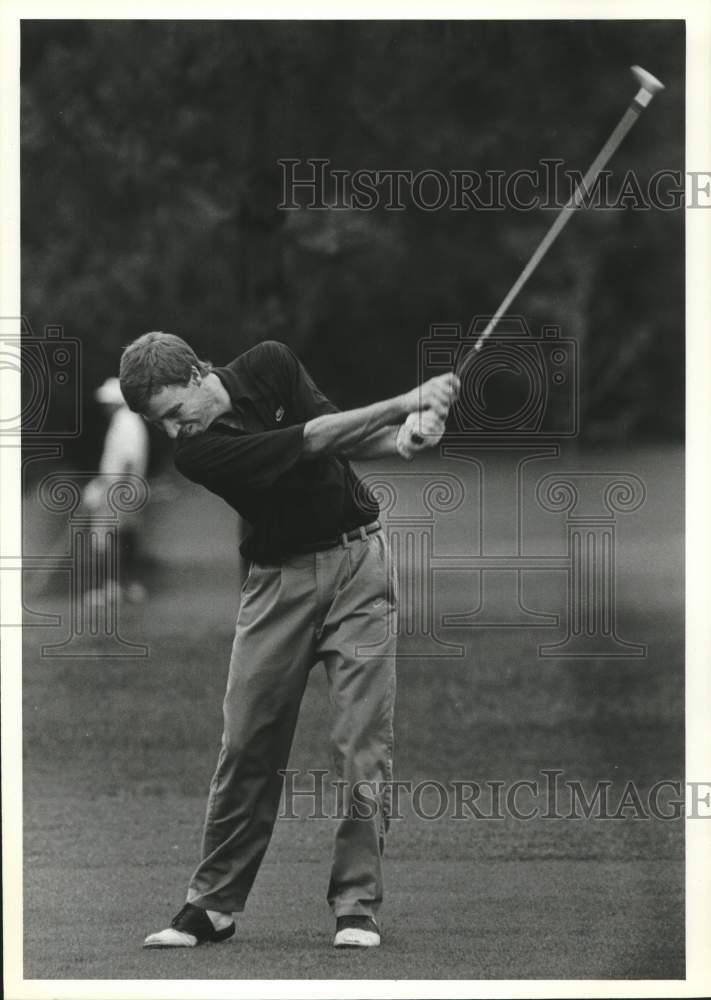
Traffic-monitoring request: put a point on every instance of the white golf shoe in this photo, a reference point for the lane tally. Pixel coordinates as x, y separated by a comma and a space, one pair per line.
193, 926
356, 932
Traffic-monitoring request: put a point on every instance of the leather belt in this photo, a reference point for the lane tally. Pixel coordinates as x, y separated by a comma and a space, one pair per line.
342, 539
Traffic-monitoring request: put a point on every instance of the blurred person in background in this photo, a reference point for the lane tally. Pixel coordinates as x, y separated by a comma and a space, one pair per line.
125, 452
320, 588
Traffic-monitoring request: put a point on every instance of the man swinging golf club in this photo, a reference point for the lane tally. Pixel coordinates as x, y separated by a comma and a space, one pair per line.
320, 588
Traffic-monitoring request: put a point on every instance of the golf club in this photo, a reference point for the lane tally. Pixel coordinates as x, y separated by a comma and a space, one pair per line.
648, 86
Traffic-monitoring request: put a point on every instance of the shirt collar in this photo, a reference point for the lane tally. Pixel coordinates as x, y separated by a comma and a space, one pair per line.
234, 382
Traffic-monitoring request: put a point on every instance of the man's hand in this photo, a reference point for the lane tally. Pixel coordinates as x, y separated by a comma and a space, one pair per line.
423, 429
437, 394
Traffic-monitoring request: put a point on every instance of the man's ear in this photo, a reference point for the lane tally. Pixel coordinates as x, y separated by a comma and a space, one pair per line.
195, 376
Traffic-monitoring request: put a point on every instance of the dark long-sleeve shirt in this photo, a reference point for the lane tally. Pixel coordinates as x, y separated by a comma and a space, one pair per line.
256, 463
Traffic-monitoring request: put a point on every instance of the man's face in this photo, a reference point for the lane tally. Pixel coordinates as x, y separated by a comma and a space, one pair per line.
181, 410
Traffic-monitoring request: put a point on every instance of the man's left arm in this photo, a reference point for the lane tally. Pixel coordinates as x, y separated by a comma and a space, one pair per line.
396, 440
380, 444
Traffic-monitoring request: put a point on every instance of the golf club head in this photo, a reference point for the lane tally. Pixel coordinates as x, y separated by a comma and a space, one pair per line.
649, 84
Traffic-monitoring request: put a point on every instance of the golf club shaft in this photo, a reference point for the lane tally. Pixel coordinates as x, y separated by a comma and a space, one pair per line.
649, 86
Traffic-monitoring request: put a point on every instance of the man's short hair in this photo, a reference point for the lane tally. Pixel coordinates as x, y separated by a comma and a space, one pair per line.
153, 361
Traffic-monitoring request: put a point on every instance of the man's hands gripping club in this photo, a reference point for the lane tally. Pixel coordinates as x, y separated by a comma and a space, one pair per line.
428, 406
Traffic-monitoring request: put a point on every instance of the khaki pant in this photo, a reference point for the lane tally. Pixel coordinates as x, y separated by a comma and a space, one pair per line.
321, 607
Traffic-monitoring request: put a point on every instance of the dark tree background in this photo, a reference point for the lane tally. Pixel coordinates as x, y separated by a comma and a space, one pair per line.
150, 188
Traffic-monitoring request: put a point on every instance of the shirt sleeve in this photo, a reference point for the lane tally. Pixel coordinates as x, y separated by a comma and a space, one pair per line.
220, 460
310, 400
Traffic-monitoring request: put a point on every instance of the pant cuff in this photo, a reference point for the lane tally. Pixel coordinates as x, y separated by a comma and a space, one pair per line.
208, 902
345, 909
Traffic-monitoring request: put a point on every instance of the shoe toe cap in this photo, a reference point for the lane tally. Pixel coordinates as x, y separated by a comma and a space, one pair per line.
170, 938
356, 937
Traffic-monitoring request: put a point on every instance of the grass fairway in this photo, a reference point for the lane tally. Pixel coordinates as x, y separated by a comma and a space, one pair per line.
119, 753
